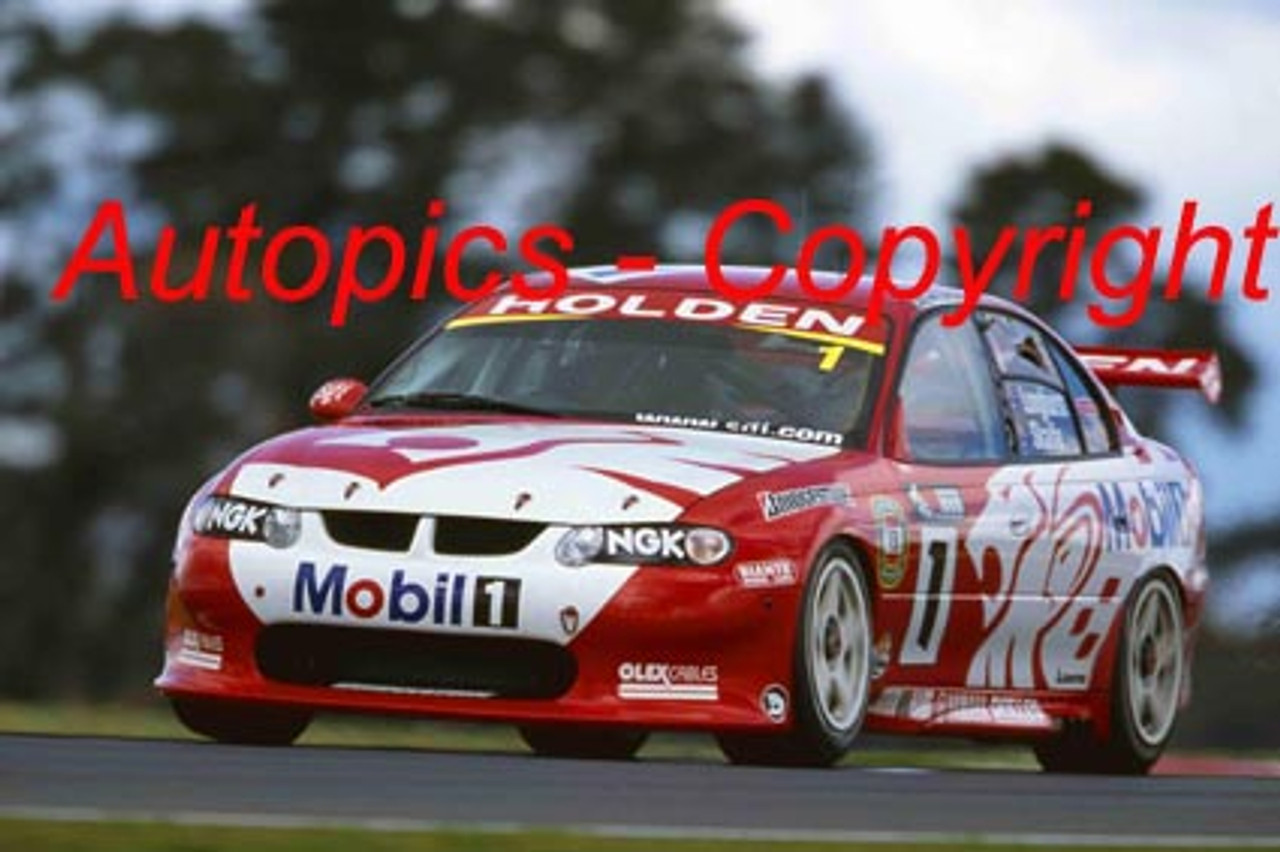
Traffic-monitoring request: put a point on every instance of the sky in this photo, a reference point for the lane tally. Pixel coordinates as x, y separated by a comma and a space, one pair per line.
1180, 95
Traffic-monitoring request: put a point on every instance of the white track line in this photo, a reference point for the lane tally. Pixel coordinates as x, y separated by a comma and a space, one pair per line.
645, 832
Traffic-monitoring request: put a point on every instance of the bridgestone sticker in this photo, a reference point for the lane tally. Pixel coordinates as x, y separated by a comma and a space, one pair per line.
779, 504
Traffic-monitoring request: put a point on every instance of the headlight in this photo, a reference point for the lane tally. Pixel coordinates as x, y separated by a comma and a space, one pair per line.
282, 527
706, 545
247, 520
632, 544
579, 546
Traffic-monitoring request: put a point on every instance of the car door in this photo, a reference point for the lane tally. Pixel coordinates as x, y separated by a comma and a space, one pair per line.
948, 440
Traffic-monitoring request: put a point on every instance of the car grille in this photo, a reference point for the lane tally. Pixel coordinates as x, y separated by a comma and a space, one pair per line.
371, 530
455, 535
461, 536
498, 667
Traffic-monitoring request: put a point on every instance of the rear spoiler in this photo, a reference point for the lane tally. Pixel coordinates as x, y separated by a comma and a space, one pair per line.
1166, 368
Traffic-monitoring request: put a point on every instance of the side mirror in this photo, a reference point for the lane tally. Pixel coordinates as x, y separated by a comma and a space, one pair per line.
336, 399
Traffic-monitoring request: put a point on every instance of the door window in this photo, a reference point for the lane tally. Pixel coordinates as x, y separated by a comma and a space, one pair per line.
949, 408
1053, 409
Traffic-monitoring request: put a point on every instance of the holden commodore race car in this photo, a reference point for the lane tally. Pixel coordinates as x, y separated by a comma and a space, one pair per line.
640, 505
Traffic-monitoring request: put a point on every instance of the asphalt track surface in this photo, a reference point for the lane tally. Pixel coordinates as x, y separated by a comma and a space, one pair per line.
83, 778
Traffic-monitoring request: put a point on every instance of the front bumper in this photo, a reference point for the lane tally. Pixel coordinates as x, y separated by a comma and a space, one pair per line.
675, 648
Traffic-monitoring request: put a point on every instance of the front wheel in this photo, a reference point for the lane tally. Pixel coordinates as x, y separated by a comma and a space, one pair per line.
832, 671
1145, 694
582, 742
241, 724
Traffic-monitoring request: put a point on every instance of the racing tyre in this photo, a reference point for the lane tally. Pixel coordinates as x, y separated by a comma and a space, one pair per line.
832, 671
1146, 690
241, 724
583, 742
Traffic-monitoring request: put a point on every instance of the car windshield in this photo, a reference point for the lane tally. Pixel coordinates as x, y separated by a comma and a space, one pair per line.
742, 378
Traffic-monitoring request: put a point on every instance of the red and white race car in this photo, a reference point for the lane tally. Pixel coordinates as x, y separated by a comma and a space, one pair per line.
641, 505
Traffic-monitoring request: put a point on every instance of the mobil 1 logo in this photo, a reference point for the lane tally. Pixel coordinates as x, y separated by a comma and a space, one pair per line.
488, 601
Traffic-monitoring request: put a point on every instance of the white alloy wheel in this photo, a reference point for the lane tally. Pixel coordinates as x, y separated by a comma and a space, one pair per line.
1154, 661
839, 645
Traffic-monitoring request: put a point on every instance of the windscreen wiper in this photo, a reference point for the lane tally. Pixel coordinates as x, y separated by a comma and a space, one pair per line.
448, 401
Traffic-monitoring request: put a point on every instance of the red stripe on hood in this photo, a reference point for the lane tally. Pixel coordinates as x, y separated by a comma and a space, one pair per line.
682, 497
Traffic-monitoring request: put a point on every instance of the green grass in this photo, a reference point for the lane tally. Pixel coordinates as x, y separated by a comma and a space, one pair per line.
37, 836
153, 719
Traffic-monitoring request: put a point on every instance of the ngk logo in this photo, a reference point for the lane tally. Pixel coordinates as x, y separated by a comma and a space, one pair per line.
645, 542
453, 599
230, 517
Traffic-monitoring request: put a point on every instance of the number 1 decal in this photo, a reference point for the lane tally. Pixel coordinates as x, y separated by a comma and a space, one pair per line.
497, 602
830, 357
935, 579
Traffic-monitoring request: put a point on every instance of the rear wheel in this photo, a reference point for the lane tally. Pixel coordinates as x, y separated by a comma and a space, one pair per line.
832, 671
241, 724
1146, 690
583, 742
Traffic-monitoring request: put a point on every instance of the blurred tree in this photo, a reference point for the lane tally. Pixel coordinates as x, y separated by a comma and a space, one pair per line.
630, 124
